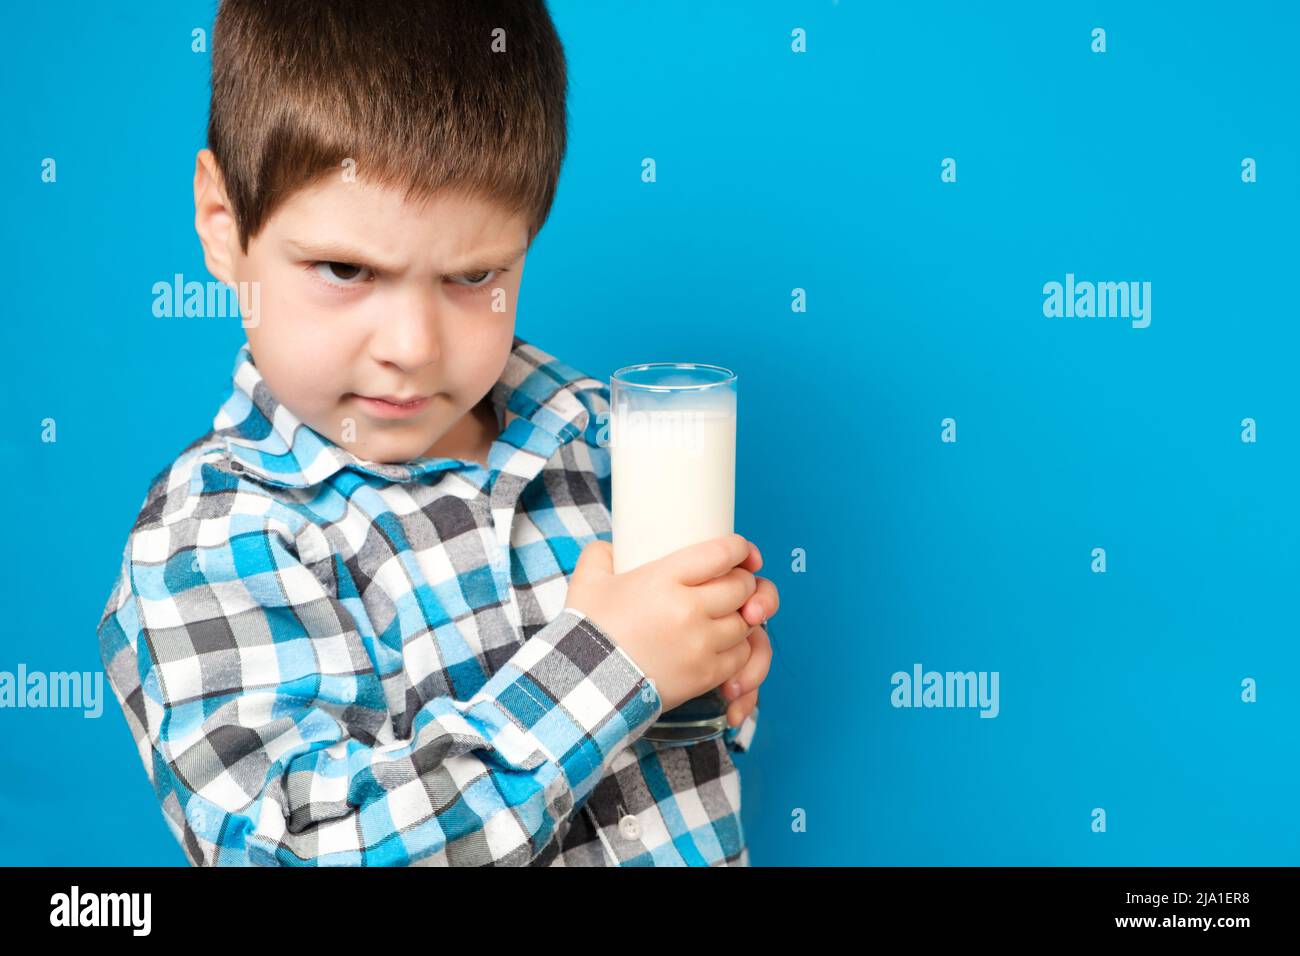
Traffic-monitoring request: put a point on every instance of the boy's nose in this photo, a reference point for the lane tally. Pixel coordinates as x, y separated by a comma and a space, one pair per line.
408, 335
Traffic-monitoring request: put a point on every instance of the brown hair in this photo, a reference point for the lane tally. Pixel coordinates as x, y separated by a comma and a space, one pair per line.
412, 90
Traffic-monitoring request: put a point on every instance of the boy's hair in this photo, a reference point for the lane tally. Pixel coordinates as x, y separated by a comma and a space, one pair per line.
411, 90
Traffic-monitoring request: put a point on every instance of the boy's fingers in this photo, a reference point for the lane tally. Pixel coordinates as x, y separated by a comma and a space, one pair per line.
738, 710
754, 560
596, 555
762, 604
747, 679
727, 593
734, 659
760, 661
706, 560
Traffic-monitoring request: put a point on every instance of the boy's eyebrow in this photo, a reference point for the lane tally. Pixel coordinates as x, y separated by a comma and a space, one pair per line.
338, 252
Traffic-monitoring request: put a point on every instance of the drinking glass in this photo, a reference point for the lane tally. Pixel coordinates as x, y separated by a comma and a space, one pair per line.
673, 461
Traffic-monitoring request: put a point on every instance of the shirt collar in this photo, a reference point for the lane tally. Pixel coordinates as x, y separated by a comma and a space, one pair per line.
540, 402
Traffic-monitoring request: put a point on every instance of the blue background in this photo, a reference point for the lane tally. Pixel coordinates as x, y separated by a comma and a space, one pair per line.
778, 171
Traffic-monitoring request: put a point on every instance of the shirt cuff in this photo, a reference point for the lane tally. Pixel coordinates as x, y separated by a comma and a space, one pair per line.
573, 693
738, 738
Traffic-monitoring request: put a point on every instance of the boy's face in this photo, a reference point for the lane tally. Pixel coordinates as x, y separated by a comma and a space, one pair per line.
363, 295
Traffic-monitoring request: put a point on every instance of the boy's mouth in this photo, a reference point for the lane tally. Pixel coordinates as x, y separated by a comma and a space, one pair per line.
392, 406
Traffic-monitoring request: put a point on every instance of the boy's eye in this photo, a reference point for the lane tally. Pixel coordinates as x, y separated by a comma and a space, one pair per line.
341, 273
476, 280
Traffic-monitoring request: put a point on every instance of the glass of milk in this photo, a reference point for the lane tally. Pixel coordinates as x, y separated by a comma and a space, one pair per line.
672, 440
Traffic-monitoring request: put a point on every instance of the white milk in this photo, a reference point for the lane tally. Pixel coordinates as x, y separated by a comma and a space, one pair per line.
674, 478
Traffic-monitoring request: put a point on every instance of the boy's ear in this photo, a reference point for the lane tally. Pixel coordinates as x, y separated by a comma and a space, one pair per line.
214, 220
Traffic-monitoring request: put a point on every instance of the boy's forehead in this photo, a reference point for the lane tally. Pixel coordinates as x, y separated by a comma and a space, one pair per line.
384, 221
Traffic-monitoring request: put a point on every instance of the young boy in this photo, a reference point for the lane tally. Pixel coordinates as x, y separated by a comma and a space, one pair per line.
370, 617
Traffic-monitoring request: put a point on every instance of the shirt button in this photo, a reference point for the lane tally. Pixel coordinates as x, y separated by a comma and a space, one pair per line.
629, 826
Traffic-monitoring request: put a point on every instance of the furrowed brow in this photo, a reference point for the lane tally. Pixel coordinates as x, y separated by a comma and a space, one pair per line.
338, 252
489, 261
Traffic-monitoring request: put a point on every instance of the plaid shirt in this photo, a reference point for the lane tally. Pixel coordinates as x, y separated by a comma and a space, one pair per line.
330, 661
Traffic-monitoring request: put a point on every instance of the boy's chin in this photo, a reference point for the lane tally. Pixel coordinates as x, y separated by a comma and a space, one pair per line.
382, 450
391, 455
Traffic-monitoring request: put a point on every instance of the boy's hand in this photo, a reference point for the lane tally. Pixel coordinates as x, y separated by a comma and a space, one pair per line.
678, 617
741, 690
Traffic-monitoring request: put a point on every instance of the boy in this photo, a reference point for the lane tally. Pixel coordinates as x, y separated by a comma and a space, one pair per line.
370, 617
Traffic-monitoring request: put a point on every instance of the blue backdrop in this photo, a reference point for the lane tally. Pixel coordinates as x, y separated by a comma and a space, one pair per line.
777, 171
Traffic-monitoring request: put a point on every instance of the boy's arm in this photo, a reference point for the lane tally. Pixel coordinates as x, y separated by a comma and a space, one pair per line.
261, 721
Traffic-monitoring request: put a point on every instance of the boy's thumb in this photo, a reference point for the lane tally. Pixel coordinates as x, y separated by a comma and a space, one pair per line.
597, 557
